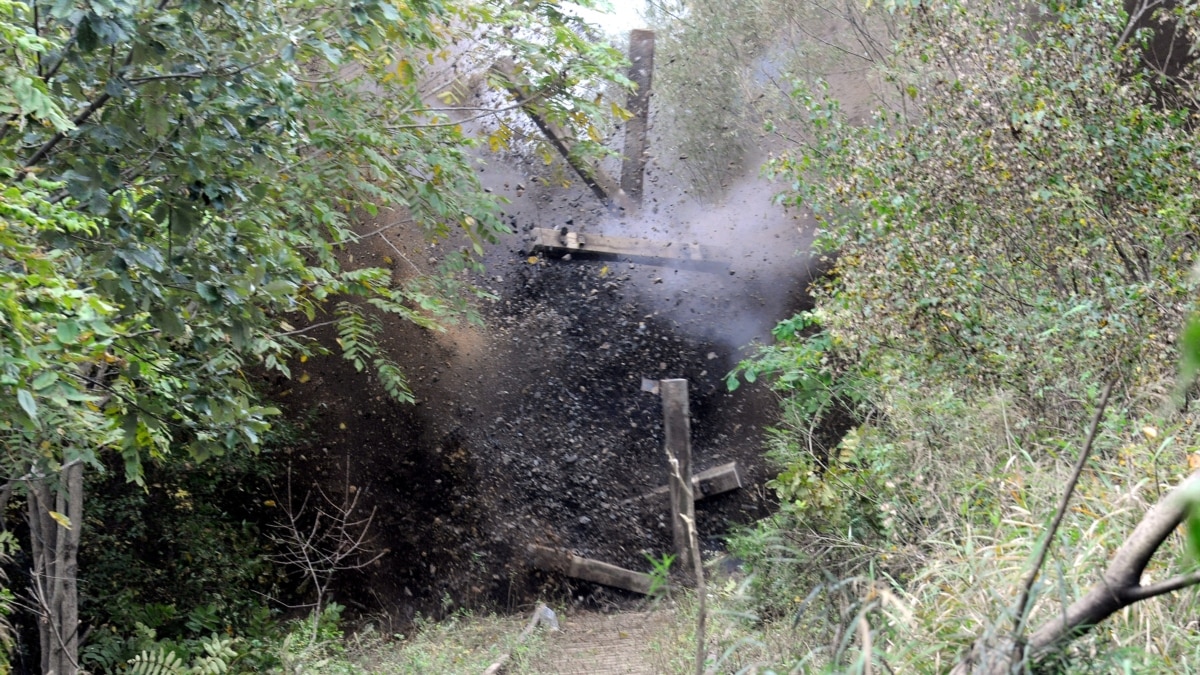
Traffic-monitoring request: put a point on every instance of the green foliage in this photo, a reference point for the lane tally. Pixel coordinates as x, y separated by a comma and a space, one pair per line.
219, 152
212, 655
177, 183
1013, 230
322, 651
1072, 256
8, 547
660, 573
185, 555
817, 382
218, 653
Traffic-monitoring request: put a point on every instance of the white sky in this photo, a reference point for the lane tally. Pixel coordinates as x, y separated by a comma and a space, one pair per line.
625, 15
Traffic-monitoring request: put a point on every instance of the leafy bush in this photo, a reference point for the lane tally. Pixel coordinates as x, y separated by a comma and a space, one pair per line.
1017, 229
1029, 227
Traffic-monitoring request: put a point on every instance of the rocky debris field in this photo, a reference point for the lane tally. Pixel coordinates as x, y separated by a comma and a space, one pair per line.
579, 436
534, 428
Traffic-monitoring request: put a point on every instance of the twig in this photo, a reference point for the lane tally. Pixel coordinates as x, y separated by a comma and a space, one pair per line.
534, 620
1022, 607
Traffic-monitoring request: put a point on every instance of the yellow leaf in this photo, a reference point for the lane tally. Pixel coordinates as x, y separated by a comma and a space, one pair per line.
447, 97
61, 519
303, 358
604, 271
304, 377
405, 72
387, 260
532, 260
620, 113
1193, 461
342, 425
1150, 432
594, 134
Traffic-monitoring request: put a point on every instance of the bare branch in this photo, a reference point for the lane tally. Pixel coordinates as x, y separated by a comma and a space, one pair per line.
1023, 605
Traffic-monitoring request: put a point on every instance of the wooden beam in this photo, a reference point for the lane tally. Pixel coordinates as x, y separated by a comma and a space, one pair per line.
564, 562
558, 241
641, 73
707, 483
677, 441
601, 184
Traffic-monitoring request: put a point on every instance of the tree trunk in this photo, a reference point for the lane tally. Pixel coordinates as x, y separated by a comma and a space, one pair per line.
55, 548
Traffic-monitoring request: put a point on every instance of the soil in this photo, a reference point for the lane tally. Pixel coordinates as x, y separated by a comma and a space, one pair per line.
534, 428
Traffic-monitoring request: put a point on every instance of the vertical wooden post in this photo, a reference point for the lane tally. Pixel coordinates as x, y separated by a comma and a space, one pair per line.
677, 439
641, 71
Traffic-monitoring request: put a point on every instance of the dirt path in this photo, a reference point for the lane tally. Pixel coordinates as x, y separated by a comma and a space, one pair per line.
601, 644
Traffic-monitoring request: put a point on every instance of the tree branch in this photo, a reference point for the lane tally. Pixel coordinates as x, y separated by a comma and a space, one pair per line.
1118, 588
1139, 593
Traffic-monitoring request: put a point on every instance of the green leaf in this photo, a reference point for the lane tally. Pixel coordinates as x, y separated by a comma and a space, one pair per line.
1192, 525
25, 399
67, 332
1189, 351
732, 382
44, 380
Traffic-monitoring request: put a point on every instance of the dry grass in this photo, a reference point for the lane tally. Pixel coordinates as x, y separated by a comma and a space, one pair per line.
978, 485
462, 644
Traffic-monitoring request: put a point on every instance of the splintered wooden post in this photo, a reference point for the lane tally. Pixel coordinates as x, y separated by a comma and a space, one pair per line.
677, 439
565, 562
708, 483
641, 72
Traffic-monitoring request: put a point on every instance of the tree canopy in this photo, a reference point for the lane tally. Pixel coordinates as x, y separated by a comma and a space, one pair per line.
177, 178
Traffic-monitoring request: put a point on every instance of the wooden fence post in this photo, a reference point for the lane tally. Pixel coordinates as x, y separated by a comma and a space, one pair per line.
641, 72
677, 437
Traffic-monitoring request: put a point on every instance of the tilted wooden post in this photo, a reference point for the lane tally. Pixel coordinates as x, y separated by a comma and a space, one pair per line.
601, 184
677, 437
641, 72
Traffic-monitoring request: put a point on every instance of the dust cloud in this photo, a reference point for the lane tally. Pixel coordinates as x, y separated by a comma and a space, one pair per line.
759, 255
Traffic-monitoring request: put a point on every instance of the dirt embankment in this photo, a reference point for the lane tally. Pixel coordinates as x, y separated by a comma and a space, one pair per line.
534, 428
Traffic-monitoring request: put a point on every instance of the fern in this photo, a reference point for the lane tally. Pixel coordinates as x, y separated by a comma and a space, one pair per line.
161, 661
356, 336
158, 662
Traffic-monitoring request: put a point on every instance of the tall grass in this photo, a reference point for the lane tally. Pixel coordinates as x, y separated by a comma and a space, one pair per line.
973, 487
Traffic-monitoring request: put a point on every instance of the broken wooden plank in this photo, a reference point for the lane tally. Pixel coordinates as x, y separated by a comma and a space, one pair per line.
564, 562
601, 184
641, 73
707, 483
560, 241
677, 442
